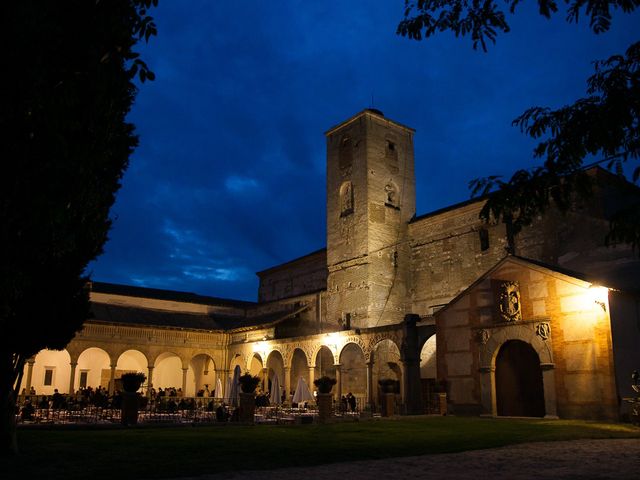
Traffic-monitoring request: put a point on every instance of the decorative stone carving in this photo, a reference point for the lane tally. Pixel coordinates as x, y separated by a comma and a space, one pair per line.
509, 301
543, 330
482, 336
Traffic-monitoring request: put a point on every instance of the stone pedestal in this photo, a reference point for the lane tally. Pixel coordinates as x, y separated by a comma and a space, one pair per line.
247, 407
442, 403
325, 407
129, 410
388, 404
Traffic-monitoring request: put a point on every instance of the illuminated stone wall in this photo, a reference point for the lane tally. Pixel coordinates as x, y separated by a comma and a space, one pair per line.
370, 200
561, 318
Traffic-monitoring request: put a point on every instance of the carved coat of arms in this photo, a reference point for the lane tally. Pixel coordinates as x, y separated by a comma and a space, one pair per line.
509, 301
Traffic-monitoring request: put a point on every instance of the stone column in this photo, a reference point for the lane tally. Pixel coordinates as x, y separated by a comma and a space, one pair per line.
149, 379
549, 385
488, 391
72, 378
338, 381
112, 380
287, 383
184, 381
30, 364
369, 400
312, 374
265, 380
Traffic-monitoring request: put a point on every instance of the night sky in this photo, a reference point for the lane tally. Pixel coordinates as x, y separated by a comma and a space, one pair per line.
229, 177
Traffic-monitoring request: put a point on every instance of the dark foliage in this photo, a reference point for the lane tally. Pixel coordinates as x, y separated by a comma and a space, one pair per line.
324, 384
484, 19
131, 381
605, 124
66, 93
248, 382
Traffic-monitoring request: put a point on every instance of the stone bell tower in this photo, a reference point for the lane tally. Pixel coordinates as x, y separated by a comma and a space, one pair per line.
370, 200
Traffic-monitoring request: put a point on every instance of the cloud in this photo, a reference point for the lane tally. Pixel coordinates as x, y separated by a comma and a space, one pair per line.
238, 184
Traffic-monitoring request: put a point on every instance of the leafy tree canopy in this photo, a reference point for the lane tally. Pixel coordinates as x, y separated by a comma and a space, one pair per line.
66, 92
605, 124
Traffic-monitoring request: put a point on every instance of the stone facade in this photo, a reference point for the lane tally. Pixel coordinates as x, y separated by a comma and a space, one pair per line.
366, 307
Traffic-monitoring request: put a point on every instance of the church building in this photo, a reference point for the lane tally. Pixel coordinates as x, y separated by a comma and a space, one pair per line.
544, 324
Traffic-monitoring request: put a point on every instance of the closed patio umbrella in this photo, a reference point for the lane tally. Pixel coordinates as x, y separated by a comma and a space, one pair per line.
276, 397
235, 387
218, 391
302, 393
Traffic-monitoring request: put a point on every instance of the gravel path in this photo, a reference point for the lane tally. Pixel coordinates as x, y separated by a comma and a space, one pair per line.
578, 459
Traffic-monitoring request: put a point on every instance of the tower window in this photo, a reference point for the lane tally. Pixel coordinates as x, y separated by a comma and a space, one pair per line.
346, 153
346, 199
483, 233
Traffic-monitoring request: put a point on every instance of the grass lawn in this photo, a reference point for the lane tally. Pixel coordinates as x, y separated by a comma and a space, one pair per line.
182, 451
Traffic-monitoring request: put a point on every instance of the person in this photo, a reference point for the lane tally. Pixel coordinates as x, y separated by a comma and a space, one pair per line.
57, 400
207, 393
27, 410
352, 401
343, 403
32, 391
222, 414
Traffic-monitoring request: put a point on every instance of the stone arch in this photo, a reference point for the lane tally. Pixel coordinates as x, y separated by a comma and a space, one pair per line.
255, 364
97, 363
490, 344
201, 374
299, 366
58, 362
428, 366
168, 370
237, 359
285, 354
353, 369
275, 366
316, 349
132, 357
325, 362
525, 333
358, 341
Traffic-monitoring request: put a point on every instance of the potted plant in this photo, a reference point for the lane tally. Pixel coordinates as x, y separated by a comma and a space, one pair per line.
324, 398
131, 383
388, 387
248, 385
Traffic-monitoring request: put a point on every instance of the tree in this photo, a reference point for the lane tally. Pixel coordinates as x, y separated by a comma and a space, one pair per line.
67, 144
605, 124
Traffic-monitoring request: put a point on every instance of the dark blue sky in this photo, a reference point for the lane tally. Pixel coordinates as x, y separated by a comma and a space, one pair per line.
229, 177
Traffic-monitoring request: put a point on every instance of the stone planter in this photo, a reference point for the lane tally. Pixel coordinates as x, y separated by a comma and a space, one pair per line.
247, 407
325, 407
129, 410
388, 404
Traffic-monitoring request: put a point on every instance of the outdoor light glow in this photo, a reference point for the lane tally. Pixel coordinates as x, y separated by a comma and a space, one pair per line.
598, 295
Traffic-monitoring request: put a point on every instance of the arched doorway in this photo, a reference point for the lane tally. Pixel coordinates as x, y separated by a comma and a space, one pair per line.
519, 388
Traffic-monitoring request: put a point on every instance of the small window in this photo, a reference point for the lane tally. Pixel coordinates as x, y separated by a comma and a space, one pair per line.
346, 153
391, 146
84, 375
347, 321
484, 239
346, 199
48, 376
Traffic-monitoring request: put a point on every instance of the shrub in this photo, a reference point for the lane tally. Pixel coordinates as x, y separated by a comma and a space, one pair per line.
131, 381
248, 382
324, 384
